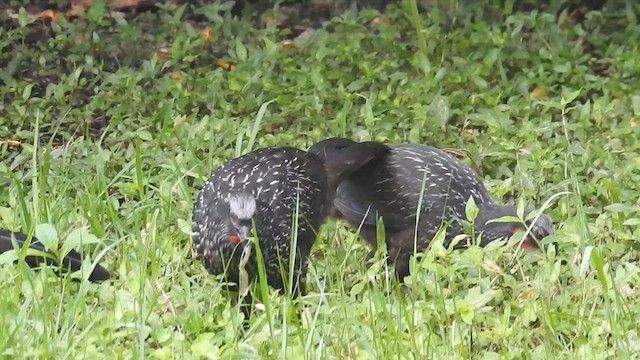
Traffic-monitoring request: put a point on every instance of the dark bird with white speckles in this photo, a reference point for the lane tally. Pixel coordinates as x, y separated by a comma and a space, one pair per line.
266, 187
390, 186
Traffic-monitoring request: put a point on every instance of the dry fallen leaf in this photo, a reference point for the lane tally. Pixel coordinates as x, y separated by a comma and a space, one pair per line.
527, 294
288, 44
162, 55
468, 134
50, 15
206, 34
539, 92
175, 76
456, 152
224, 65
77, 7
46, 15
115, 4
75, 10
378, 20
269, 129
575, 14
12, 143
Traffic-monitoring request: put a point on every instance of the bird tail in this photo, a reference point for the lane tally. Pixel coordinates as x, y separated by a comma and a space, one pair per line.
72, 261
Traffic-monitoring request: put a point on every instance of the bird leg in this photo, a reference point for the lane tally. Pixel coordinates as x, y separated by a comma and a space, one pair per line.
401, 248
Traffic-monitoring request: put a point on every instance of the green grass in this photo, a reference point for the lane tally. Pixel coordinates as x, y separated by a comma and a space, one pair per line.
542, 105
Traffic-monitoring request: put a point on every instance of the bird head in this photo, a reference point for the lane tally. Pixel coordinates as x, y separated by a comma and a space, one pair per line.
329, 148
487, 223
228, 234
242, 208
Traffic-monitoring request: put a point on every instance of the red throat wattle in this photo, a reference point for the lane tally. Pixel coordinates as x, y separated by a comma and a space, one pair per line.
234, 239
528, 244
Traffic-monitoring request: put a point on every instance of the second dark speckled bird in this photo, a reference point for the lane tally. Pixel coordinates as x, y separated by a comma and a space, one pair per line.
389, 187
267, 187
72, 261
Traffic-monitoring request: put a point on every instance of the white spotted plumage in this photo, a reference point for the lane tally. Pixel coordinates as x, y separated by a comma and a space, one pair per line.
392, 186
265, 186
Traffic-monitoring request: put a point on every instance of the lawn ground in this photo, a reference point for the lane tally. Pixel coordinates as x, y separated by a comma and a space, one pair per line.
110, 125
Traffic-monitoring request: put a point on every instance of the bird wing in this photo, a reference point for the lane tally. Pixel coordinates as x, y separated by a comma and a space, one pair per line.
354, 201
355, 211
365, 213
72, 261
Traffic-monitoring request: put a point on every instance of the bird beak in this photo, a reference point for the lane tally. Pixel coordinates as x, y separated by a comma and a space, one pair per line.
244, 232
240, 234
